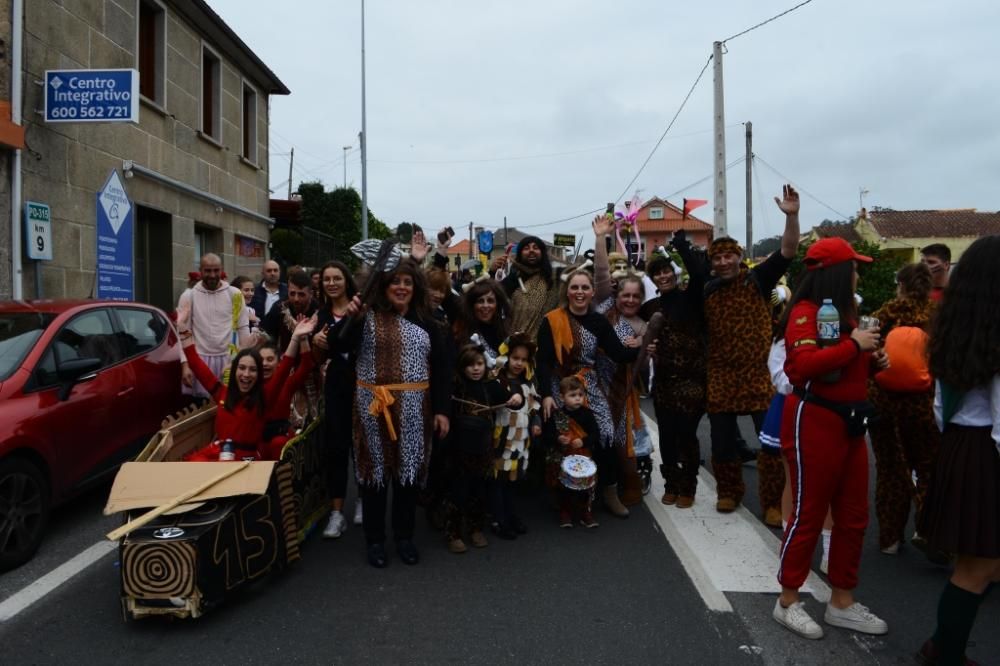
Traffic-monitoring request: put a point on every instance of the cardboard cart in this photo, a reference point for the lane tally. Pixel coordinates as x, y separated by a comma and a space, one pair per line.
220, 525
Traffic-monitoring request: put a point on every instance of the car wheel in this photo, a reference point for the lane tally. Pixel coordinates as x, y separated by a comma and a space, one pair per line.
24, 511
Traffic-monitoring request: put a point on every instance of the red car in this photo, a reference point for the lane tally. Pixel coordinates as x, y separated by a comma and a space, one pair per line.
83, 386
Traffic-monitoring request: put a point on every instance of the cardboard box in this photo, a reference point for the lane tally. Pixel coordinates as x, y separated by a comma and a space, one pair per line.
184, 563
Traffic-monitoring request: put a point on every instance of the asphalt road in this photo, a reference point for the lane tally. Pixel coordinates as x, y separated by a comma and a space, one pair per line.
621, 593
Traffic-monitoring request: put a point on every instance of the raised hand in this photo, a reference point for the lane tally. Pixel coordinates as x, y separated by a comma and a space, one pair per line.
419, 246
602, 226
789, 201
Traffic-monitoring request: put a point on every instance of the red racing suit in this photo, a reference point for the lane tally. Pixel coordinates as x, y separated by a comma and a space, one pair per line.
829, 468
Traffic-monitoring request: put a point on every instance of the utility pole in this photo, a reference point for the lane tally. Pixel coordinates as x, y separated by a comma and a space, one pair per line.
471, 242
291, 161
363, 136
505, 232
721, 228
346, 148
749, 161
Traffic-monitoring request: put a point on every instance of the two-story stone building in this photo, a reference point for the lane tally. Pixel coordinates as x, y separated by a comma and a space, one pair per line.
199, 154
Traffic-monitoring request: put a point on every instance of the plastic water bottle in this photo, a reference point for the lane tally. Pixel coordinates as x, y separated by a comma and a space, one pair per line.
228, 452
828, 332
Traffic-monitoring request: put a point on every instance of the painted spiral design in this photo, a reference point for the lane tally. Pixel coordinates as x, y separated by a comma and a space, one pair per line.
157, 570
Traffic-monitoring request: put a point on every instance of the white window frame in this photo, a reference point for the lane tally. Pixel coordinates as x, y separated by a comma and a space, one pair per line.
656, 213
250, 153
161, 56
216, 135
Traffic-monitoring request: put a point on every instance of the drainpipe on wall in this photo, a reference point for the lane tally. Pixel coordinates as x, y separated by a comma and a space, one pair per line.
16, 75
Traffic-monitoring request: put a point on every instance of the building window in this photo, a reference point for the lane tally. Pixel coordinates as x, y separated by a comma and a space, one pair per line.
249, 123
211, 94
206, 239
152, 51
656, 213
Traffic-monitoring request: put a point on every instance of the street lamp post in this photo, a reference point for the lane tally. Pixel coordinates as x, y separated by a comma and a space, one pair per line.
346, 148
364, 136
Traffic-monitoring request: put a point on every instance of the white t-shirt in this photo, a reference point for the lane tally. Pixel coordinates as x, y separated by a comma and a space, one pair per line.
979, 407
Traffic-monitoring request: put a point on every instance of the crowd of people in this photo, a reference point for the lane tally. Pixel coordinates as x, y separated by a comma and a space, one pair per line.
450, 392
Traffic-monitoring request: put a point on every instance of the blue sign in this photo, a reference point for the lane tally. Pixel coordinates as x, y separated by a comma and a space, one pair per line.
91, 96
115, 231
485, 241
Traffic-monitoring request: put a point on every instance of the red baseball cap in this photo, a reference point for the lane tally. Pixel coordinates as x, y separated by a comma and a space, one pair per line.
828, 252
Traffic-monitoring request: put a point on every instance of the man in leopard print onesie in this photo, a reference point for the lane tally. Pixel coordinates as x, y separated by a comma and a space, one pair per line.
738, 318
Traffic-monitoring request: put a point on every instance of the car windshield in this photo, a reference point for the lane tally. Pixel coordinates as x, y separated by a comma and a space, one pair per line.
18, 333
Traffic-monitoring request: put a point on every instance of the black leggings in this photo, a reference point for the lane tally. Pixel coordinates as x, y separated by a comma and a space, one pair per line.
726, 434
404, 511
608, 467
339, 422
678, 435
502, 500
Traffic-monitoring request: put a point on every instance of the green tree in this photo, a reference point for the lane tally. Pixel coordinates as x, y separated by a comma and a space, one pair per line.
337, 213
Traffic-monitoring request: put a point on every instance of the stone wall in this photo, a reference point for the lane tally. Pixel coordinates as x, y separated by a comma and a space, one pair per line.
67, 163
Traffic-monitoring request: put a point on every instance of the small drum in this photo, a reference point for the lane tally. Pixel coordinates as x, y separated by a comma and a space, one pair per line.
578, 472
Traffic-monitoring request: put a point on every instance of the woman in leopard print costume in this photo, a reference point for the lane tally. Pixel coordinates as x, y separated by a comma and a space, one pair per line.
905, 439
402, 397
569, 341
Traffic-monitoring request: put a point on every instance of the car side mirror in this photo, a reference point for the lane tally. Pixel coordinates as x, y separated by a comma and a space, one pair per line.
70, 372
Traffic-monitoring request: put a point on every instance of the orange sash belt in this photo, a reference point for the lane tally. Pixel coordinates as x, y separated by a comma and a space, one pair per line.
382, 399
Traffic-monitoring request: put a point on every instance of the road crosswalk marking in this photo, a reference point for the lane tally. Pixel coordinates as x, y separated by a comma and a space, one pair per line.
720, 552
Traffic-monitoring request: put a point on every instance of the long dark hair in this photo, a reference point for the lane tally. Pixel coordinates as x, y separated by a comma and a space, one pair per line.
964, 348
545, 264
835, 283
350, 286
500, 318
419, 305
254, 398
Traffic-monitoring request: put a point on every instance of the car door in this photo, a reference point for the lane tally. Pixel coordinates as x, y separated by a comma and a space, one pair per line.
150, 348
93, 424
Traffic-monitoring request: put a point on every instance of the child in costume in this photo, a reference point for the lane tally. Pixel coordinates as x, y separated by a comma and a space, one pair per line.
475, 398
578, 433
513, 430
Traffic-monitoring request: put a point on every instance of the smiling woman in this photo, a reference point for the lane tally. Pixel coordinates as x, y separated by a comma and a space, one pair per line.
402, 395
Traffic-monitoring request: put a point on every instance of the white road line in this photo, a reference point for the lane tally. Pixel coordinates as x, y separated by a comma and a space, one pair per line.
29, 594
721, 552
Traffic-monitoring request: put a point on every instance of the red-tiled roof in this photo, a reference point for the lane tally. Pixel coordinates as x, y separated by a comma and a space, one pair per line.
671, 219
934, 223
461, 248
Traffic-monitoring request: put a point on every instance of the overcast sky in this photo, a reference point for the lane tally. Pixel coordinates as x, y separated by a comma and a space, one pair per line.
546, 109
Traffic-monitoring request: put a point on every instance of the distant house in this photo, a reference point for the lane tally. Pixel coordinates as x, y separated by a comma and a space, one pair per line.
659, 219
902, 233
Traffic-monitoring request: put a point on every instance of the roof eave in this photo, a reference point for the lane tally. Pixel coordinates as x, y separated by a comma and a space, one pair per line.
205, 18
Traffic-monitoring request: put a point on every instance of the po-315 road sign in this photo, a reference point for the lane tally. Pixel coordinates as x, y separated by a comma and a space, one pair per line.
91, 96
114, 241
38, 230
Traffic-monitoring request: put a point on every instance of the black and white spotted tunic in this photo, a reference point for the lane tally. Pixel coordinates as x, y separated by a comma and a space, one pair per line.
396, 350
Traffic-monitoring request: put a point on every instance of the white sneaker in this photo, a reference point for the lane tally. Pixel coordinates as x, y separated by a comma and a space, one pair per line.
796, 619
358, 513
336, 526
856, 618
824, 564
892, 549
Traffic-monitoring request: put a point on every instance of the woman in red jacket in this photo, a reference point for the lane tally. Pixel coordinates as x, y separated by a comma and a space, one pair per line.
823, 440
242, 411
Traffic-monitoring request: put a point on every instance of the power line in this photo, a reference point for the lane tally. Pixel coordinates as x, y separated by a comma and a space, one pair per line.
763, 23
760, 159
729, 166
663, 136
